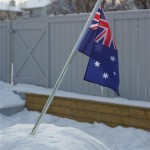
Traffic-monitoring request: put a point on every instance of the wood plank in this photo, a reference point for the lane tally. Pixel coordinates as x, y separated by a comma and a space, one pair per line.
133, 59
81, 119
142, 70
119, 42
96, 107
125, 57
94, 116
92, 121
147, 65
91, 111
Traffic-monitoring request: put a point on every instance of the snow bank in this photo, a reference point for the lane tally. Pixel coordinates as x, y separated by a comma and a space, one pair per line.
7, 97
49, 137
64, 134
41, 90
15, 130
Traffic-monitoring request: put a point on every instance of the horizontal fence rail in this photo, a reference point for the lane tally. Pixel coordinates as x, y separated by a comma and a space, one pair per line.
40, 48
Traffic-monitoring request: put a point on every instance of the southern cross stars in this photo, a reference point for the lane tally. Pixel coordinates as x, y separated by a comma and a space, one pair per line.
105, 75
112, 58
114, 73
97, 64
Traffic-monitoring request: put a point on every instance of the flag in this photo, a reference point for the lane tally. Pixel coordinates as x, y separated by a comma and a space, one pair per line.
98, 43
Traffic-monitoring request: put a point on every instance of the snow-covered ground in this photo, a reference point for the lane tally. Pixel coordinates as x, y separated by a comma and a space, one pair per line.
57, 133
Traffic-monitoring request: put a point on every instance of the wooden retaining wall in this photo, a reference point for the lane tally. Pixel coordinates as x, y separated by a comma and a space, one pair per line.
92, 111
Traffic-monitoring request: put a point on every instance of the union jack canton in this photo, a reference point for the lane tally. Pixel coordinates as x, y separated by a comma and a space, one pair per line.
98, 43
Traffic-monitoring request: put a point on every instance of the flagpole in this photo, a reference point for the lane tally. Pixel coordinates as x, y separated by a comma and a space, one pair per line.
74, 51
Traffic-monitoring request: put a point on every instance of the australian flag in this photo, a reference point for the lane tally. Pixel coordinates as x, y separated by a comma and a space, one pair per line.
98, 43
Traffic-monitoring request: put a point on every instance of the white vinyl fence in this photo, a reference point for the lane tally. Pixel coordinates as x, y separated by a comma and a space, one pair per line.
40, 48
5, 60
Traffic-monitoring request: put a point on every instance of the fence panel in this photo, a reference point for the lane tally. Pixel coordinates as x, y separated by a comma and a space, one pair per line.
5, 58
147, 59
129, 29
132, 34
64, 32
42, 46
30, 52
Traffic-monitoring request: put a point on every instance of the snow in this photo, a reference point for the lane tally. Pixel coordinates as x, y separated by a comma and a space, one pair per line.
7, 97
6, 7
59, 138
35, 4
57, 133
61, 134
41, 90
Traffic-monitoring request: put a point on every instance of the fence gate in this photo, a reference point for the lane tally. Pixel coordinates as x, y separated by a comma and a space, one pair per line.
30, 52
5, 59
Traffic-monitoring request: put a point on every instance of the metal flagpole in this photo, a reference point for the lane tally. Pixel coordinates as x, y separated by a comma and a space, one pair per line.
74, 51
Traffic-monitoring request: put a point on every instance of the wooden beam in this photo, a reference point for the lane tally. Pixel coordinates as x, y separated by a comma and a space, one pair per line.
92, 111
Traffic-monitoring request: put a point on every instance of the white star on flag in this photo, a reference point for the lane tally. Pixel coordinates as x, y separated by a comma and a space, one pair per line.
114, 73
112, 58
97, 64
105, 75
